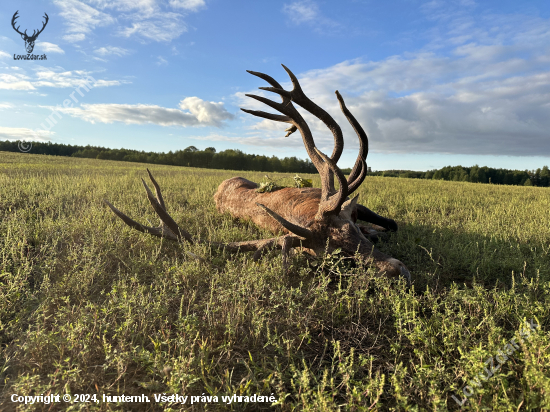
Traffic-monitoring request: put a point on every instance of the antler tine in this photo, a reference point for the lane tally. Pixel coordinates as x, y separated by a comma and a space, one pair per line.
267, 78
277, 106
155, 231
285, 100
352, 187
297, 120
157, 190
284, 93
44, 24
270, 116
298, 96
165, 217
359, 170
297, 230
13, 21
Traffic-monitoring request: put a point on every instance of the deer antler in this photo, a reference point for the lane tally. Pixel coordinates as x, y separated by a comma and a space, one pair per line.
359, 170
43, 25
34, 33
170, 230
15, 17
331, 200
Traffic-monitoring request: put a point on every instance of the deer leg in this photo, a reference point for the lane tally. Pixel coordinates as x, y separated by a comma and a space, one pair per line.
262, 248
287, 242
368, 215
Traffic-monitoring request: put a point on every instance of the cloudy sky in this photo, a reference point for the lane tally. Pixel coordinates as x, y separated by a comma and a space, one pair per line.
434, 83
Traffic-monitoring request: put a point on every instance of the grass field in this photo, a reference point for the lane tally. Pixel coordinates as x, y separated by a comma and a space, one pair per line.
90, 306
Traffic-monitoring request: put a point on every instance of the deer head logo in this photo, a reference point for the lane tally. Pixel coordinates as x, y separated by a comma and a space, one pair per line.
29, 40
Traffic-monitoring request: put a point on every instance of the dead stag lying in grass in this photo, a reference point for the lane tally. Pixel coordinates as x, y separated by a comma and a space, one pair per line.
316, 220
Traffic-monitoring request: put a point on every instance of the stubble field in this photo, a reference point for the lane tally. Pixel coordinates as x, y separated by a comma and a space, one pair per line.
88, 305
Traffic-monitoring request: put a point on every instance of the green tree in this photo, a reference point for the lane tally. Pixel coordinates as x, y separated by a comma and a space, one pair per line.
544, 177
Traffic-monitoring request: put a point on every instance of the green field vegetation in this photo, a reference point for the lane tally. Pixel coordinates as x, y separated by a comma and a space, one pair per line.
88, 305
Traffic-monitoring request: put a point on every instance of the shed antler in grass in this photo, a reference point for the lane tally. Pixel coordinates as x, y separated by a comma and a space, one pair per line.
315, 220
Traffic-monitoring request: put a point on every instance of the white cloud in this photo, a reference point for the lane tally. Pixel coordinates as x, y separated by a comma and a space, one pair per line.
46, 47
192, 112
161, 61
19, 85
5, 105
191, 5
3, 54
111, 50
210, 113
52, 77
49, 78
157, 27
149, 20
23, 133
307, 12
302, 11
81, 19
145, 6
108, 83
15, 81
74, 38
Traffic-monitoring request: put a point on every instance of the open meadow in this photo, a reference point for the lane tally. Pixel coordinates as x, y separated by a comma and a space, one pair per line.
90, 306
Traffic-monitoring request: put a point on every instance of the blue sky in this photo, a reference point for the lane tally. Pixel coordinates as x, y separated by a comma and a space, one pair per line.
433, 83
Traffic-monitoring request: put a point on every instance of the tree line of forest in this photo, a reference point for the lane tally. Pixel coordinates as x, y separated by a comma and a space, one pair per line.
476, 174
237, 160
191, 156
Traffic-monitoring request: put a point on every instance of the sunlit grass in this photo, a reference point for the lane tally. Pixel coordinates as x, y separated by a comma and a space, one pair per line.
88, 305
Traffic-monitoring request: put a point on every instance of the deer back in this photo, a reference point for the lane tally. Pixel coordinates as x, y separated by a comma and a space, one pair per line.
238, 196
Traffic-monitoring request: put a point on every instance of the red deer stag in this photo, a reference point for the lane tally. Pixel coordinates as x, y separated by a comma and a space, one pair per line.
315, 220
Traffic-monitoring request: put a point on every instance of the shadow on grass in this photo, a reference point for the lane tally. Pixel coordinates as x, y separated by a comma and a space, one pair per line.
438, 257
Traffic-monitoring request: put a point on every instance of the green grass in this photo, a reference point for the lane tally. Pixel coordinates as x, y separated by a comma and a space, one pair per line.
88, 305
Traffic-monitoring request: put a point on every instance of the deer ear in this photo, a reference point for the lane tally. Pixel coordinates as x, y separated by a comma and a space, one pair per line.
348, 207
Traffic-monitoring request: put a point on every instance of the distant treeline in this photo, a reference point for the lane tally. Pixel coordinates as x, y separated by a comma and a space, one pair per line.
237, 160
191, 157
476, 174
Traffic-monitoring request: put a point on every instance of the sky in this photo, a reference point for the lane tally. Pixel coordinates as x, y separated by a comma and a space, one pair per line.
432, 82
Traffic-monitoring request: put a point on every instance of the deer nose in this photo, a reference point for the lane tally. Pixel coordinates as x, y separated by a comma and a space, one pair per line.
401, 269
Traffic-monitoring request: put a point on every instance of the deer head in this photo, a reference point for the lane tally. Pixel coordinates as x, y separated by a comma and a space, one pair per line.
29, 40
315, 220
